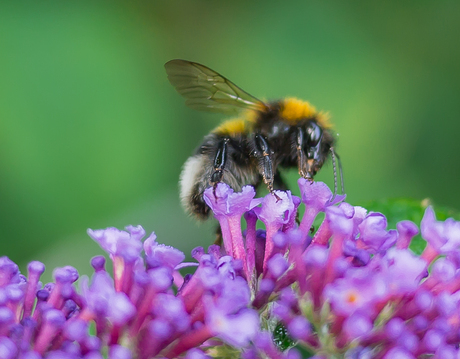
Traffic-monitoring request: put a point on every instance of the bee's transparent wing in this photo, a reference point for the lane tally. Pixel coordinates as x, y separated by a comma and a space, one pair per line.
206, 90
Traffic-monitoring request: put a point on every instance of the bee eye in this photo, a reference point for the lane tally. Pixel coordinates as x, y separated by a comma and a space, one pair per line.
314, 134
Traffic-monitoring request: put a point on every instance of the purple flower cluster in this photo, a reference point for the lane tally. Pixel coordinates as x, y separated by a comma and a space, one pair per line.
350, 289
148, 310
353, 289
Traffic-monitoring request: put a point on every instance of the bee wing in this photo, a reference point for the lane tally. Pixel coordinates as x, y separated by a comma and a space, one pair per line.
206, 90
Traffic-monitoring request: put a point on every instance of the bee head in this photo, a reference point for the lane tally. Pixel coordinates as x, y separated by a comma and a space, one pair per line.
318, 144
316, 147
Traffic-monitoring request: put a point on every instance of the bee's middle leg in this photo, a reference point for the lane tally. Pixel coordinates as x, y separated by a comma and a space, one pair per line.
220, 161
264, 155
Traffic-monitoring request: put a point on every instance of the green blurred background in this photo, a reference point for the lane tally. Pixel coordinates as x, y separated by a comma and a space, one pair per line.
93, 135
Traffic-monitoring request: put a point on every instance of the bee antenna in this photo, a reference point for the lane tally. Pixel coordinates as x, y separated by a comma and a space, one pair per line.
335, 158
342, 183
335, 172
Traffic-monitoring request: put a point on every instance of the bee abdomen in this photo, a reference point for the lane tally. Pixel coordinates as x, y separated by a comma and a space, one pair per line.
192, 186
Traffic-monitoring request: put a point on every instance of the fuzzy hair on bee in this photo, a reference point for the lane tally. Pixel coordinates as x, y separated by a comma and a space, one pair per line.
252, 148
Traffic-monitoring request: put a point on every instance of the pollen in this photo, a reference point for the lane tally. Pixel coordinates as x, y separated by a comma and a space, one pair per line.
294, 110
352, 297
231, 127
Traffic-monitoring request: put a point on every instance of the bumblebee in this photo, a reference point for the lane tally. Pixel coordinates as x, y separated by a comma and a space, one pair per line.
251, 148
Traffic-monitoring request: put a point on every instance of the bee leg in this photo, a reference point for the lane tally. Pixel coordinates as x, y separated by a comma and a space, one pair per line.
302, 163
220, 160
264, 155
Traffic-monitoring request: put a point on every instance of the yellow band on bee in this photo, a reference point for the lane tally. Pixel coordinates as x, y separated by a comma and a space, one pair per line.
294, 110
231, 127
